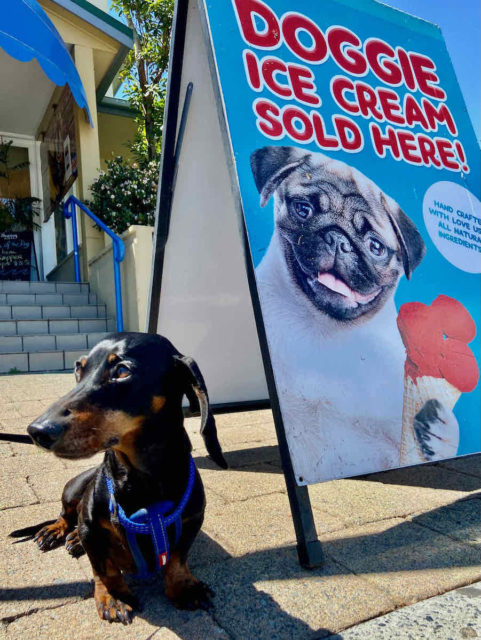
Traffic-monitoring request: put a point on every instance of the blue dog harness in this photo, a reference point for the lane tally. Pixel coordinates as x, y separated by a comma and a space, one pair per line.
152, 521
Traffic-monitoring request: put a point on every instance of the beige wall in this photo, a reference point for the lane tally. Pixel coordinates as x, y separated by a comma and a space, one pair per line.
135, 275
114, 132
101, 4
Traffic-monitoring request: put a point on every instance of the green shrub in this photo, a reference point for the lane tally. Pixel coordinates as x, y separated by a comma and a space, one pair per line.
125, 194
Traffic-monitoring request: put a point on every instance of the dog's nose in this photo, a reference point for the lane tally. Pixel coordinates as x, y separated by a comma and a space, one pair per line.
45, 434
337, 241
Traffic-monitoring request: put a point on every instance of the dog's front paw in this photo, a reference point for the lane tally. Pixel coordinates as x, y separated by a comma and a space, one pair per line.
73, 544
437, 431
52, 536
115, 608
193, 595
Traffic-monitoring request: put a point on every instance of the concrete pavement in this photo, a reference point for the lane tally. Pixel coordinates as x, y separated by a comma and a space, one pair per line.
391, 540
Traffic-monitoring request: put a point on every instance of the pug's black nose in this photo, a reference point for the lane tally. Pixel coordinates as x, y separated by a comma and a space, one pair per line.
45, 434
337, 241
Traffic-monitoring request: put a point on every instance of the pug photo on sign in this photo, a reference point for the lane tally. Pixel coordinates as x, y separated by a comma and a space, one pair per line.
326, 286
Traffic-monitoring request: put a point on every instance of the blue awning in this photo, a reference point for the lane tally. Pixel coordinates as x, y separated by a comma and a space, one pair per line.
26, 32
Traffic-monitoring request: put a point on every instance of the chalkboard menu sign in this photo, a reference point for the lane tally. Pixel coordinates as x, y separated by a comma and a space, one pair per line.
15, 255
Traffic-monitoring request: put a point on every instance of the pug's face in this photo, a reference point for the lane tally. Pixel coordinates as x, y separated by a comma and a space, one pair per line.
345, 242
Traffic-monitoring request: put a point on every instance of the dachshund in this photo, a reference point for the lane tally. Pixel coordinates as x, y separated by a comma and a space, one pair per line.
128, 403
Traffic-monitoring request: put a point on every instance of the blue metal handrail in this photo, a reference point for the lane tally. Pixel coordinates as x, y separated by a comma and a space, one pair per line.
69, 211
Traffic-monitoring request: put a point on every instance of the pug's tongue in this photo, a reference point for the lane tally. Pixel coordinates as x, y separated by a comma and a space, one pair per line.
338, 286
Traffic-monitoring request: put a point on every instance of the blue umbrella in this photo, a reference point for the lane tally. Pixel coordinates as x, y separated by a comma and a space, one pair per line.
26, 32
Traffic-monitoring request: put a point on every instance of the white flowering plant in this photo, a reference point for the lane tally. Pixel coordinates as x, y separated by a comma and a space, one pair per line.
125, 194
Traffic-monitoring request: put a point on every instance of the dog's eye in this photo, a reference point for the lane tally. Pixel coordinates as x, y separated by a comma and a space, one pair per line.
376, 247
302, 208
121, 372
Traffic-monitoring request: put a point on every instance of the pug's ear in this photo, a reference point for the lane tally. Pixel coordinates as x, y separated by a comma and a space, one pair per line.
196, 393
410, 240
271, 165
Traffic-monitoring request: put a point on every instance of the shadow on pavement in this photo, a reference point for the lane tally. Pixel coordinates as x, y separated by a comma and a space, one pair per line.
243, 585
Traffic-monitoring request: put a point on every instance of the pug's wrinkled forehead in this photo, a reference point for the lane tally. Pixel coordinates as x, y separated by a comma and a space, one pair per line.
342, 191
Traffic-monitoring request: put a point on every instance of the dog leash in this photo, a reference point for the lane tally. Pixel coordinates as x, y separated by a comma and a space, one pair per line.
153, 521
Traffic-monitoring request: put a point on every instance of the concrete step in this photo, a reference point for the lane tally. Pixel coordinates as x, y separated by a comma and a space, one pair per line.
20, 286
50, 342
15, 327
48, 298
30, 362
49, 312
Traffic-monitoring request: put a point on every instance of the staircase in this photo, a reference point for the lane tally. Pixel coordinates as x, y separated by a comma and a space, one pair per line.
46, 326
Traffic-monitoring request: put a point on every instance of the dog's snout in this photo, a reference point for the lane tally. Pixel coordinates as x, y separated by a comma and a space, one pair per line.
337, 241
45, 434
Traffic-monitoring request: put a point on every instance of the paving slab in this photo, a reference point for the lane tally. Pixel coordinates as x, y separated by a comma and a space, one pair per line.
30, 465
452, 616
159, 620
77, 466
242, 455
5, 450
461, 521
256, 435
266, 595
15, 491
408, 561
392, 494
244, 418
245, 482
258, 523
468, 464
48, 486
32, 580
431, 476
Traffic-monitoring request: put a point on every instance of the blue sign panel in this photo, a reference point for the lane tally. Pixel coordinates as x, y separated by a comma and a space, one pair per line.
359, 175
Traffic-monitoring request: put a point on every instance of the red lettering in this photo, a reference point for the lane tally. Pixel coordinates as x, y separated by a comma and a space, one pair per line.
408, 75
292, 23
413, 113
386, 70
293, 115
407, 142
302, 84
349, 134
446, 153
338, 87
267, 118
389, 101
270, 36
270, 68
367, 100
382, 142
422, 67
251, 64
441, 114
348, 58
427, 149
323, 140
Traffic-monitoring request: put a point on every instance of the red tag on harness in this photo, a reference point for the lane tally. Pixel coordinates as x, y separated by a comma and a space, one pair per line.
163, 559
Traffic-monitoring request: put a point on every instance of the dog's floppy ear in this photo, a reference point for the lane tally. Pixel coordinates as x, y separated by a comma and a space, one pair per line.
196, 393
270, 165
410, 240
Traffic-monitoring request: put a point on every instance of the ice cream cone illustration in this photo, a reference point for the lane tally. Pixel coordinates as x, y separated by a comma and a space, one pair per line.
439, 366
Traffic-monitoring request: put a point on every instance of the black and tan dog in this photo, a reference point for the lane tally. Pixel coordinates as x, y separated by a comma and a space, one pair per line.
128, 402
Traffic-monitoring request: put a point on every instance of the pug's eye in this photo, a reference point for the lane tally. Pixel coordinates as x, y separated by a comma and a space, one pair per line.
302, 208
120, 372
376, 247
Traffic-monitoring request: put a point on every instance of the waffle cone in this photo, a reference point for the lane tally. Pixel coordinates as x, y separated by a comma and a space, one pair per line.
416, 394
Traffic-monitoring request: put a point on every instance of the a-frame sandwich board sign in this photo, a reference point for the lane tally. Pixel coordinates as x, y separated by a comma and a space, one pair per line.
318, 236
